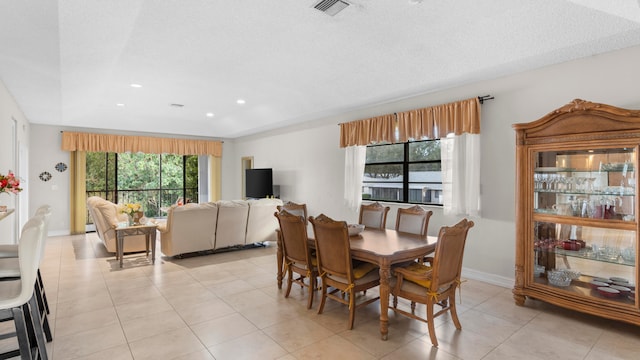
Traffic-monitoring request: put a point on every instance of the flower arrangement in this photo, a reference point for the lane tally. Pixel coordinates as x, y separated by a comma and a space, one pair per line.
129, 209
9, 183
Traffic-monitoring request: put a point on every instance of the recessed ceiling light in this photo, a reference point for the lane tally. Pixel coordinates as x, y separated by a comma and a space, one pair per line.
210, 115
120, 105
240, 101
176, 105
135, 85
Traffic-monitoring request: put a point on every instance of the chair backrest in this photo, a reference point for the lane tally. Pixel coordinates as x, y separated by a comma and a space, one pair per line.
413, 220
373, 215
447, 260
261, 225
45, 212
29, 250
295, 209
332, 247
295, 243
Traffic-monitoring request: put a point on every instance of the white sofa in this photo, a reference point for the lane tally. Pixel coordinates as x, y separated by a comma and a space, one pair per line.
106, 218
217, 225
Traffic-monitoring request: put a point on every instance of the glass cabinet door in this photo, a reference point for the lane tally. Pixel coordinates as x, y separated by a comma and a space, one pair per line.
584, 222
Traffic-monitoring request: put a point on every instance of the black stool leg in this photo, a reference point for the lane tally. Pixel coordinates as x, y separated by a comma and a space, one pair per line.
41, 307
36, 325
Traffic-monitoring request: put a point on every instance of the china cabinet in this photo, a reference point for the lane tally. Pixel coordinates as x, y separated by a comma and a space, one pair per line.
576, 210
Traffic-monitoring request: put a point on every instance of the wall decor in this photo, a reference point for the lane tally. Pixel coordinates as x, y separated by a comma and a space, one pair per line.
61, 167
45, 176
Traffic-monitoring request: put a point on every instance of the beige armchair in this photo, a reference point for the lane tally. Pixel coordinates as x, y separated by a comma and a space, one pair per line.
232, 217
106, 218
189, 228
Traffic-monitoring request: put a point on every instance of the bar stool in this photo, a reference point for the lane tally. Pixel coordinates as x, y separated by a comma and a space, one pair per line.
10, 270
17, 298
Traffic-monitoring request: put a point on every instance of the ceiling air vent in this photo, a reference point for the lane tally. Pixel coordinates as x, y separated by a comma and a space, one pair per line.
331, 7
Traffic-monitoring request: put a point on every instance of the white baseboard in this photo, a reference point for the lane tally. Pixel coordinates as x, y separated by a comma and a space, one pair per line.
488, 278
59, 233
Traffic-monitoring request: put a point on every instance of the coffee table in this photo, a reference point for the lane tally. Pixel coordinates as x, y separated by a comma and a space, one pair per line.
148, 230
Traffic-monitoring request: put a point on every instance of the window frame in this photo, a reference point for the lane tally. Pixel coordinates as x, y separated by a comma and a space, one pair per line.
405, 164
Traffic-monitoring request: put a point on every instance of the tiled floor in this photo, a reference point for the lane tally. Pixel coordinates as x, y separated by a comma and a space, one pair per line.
227, 306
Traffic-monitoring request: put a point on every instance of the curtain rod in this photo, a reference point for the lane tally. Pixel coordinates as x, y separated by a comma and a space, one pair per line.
485, 97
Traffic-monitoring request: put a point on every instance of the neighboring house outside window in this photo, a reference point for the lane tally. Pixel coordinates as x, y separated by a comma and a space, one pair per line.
405, 172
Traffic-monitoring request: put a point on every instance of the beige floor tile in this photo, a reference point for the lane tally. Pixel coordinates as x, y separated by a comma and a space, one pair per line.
255, 345
80, 305
222, 329
418, 349
366, 335
230, 287
69, 325
88, 342
211, 309
133, 310
120, 352
248, 299
295, 334
142, 294
151, 325
198, 355
464, 344
333, 347
167, 345
269, 314
546, 346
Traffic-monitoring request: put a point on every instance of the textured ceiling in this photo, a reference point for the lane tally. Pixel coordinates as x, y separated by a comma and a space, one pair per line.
69, 62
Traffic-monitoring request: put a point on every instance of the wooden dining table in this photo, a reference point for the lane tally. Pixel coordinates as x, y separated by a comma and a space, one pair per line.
383, 248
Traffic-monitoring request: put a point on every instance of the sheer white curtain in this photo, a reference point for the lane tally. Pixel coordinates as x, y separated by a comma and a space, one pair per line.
354, 158
460, 156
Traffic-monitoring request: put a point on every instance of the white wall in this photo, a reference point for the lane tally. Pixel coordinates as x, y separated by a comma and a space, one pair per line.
9, 111
45, 154
308, 164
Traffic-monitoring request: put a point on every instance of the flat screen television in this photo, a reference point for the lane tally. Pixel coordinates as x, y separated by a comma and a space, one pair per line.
259, 183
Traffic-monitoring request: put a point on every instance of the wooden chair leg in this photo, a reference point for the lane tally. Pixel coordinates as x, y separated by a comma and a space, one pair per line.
289, 283
312, 288
323, 298
453, 311
432, 328
352, 308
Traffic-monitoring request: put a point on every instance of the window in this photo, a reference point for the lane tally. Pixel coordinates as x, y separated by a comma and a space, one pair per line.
407, 172
152, 180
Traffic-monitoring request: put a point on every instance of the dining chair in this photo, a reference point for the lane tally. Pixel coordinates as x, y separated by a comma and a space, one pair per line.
435, 284
297, 253
10, 269
18, 300
336, 268
295, 209
373, 215
413, 220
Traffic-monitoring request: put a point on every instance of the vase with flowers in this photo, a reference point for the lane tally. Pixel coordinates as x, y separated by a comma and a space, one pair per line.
133, 211
9, 184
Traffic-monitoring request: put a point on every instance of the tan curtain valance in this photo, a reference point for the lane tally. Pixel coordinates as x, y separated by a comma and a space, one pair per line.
373, 130
74, 141
430, 122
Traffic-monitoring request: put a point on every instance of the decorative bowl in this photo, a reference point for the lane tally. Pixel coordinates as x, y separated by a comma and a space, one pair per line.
596, 284
558, 278
538, 270
606, 291
355, 229
572, 274
623, 289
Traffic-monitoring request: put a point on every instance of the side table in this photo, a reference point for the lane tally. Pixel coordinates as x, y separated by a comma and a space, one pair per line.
148, 230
